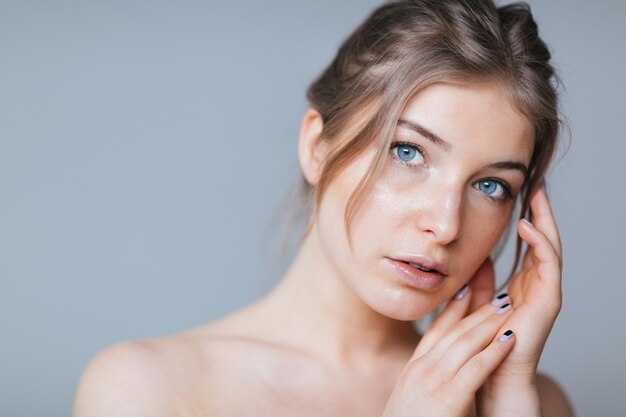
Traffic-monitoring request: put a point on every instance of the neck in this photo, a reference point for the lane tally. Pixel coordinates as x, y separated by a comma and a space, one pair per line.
315, 308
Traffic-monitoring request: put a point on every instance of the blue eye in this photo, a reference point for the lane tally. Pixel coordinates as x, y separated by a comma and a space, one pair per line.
494, 189
407, 153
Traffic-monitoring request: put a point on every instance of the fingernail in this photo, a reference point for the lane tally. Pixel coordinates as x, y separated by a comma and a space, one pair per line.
504, 309
500, 299
528, 223
462, 292
506, 336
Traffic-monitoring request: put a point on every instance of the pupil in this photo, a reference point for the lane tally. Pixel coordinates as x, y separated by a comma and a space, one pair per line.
406, 154
488, 186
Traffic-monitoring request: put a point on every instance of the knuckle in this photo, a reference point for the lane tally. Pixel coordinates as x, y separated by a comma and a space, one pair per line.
479, 363
417, 371
416, 368
467, 338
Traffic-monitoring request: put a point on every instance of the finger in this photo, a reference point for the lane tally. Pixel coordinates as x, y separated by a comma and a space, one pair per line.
454, 311
469, 322
483, 285
528, 261
543, 218
474, 373
548, 261
469, 344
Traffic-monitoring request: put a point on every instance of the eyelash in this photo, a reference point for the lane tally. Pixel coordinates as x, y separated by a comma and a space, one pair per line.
508, 194
417, 148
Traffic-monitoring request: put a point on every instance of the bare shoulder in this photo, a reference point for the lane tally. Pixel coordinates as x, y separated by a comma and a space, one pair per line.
196, 369
134, 378
554, 401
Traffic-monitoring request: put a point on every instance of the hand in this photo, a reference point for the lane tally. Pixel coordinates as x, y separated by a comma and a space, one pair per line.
453, 359
535, 294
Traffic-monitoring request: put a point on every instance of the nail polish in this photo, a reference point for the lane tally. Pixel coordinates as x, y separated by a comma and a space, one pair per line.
500, 299
506, 336
462, 292
504, 309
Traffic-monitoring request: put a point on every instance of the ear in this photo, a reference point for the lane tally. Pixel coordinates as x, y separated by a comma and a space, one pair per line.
311, 148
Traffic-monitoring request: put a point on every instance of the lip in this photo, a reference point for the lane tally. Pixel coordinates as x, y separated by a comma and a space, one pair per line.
415, 277
424, 261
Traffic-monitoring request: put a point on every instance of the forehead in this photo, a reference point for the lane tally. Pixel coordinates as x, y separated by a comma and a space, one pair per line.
478, 118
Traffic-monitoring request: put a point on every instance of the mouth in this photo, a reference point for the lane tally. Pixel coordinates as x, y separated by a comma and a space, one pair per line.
418, 271
421, 268
423, 263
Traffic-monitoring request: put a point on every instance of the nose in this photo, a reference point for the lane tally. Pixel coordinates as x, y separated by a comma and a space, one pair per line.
440, 216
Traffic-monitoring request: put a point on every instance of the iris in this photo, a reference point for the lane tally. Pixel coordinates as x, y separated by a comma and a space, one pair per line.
488, 186
406, 153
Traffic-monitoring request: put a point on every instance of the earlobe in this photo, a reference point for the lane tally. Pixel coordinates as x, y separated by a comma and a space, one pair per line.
310, 146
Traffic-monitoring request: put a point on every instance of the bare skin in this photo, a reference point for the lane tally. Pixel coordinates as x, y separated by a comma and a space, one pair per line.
256, 362
227, 368
335, 336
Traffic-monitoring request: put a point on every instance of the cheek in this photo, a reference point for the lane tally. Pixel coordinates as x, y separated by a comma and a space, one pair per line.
381, 225
482, 232
374, 235
486, 225
331, 221
331, 226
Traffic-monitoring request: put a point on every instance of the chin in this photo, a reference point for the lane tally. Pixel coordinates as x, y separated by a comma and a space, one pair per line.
402, 303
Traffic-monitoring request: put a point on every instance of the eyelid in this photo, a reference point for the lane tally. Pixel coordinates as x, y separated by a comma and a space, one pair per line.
508, 192
418, 148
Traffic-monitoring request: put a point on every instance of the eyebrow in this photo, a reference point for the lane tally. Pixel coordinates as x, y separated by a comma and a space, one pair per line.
426, 133
421, 130
519, 166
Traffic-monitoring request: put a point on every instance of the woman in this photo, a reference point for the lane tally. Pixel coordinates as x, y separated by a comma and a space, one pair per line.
429, 124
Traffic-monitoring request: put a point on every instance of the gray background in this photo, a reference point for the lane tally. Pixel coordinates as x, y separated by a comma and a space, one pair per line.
145, 145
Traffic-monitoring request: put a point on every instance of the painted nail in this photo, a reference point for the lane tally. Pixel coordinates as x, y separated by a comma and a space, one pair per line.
462, 292
504, 309
506, 336
500, 299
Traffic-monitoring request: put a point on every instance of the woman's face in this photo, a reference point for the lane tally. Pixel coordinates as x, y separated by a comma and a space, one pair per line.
442, 202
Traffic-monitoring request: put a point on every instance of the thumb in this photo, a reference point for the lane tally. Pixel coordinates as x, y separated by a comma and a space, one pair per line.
483, 285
